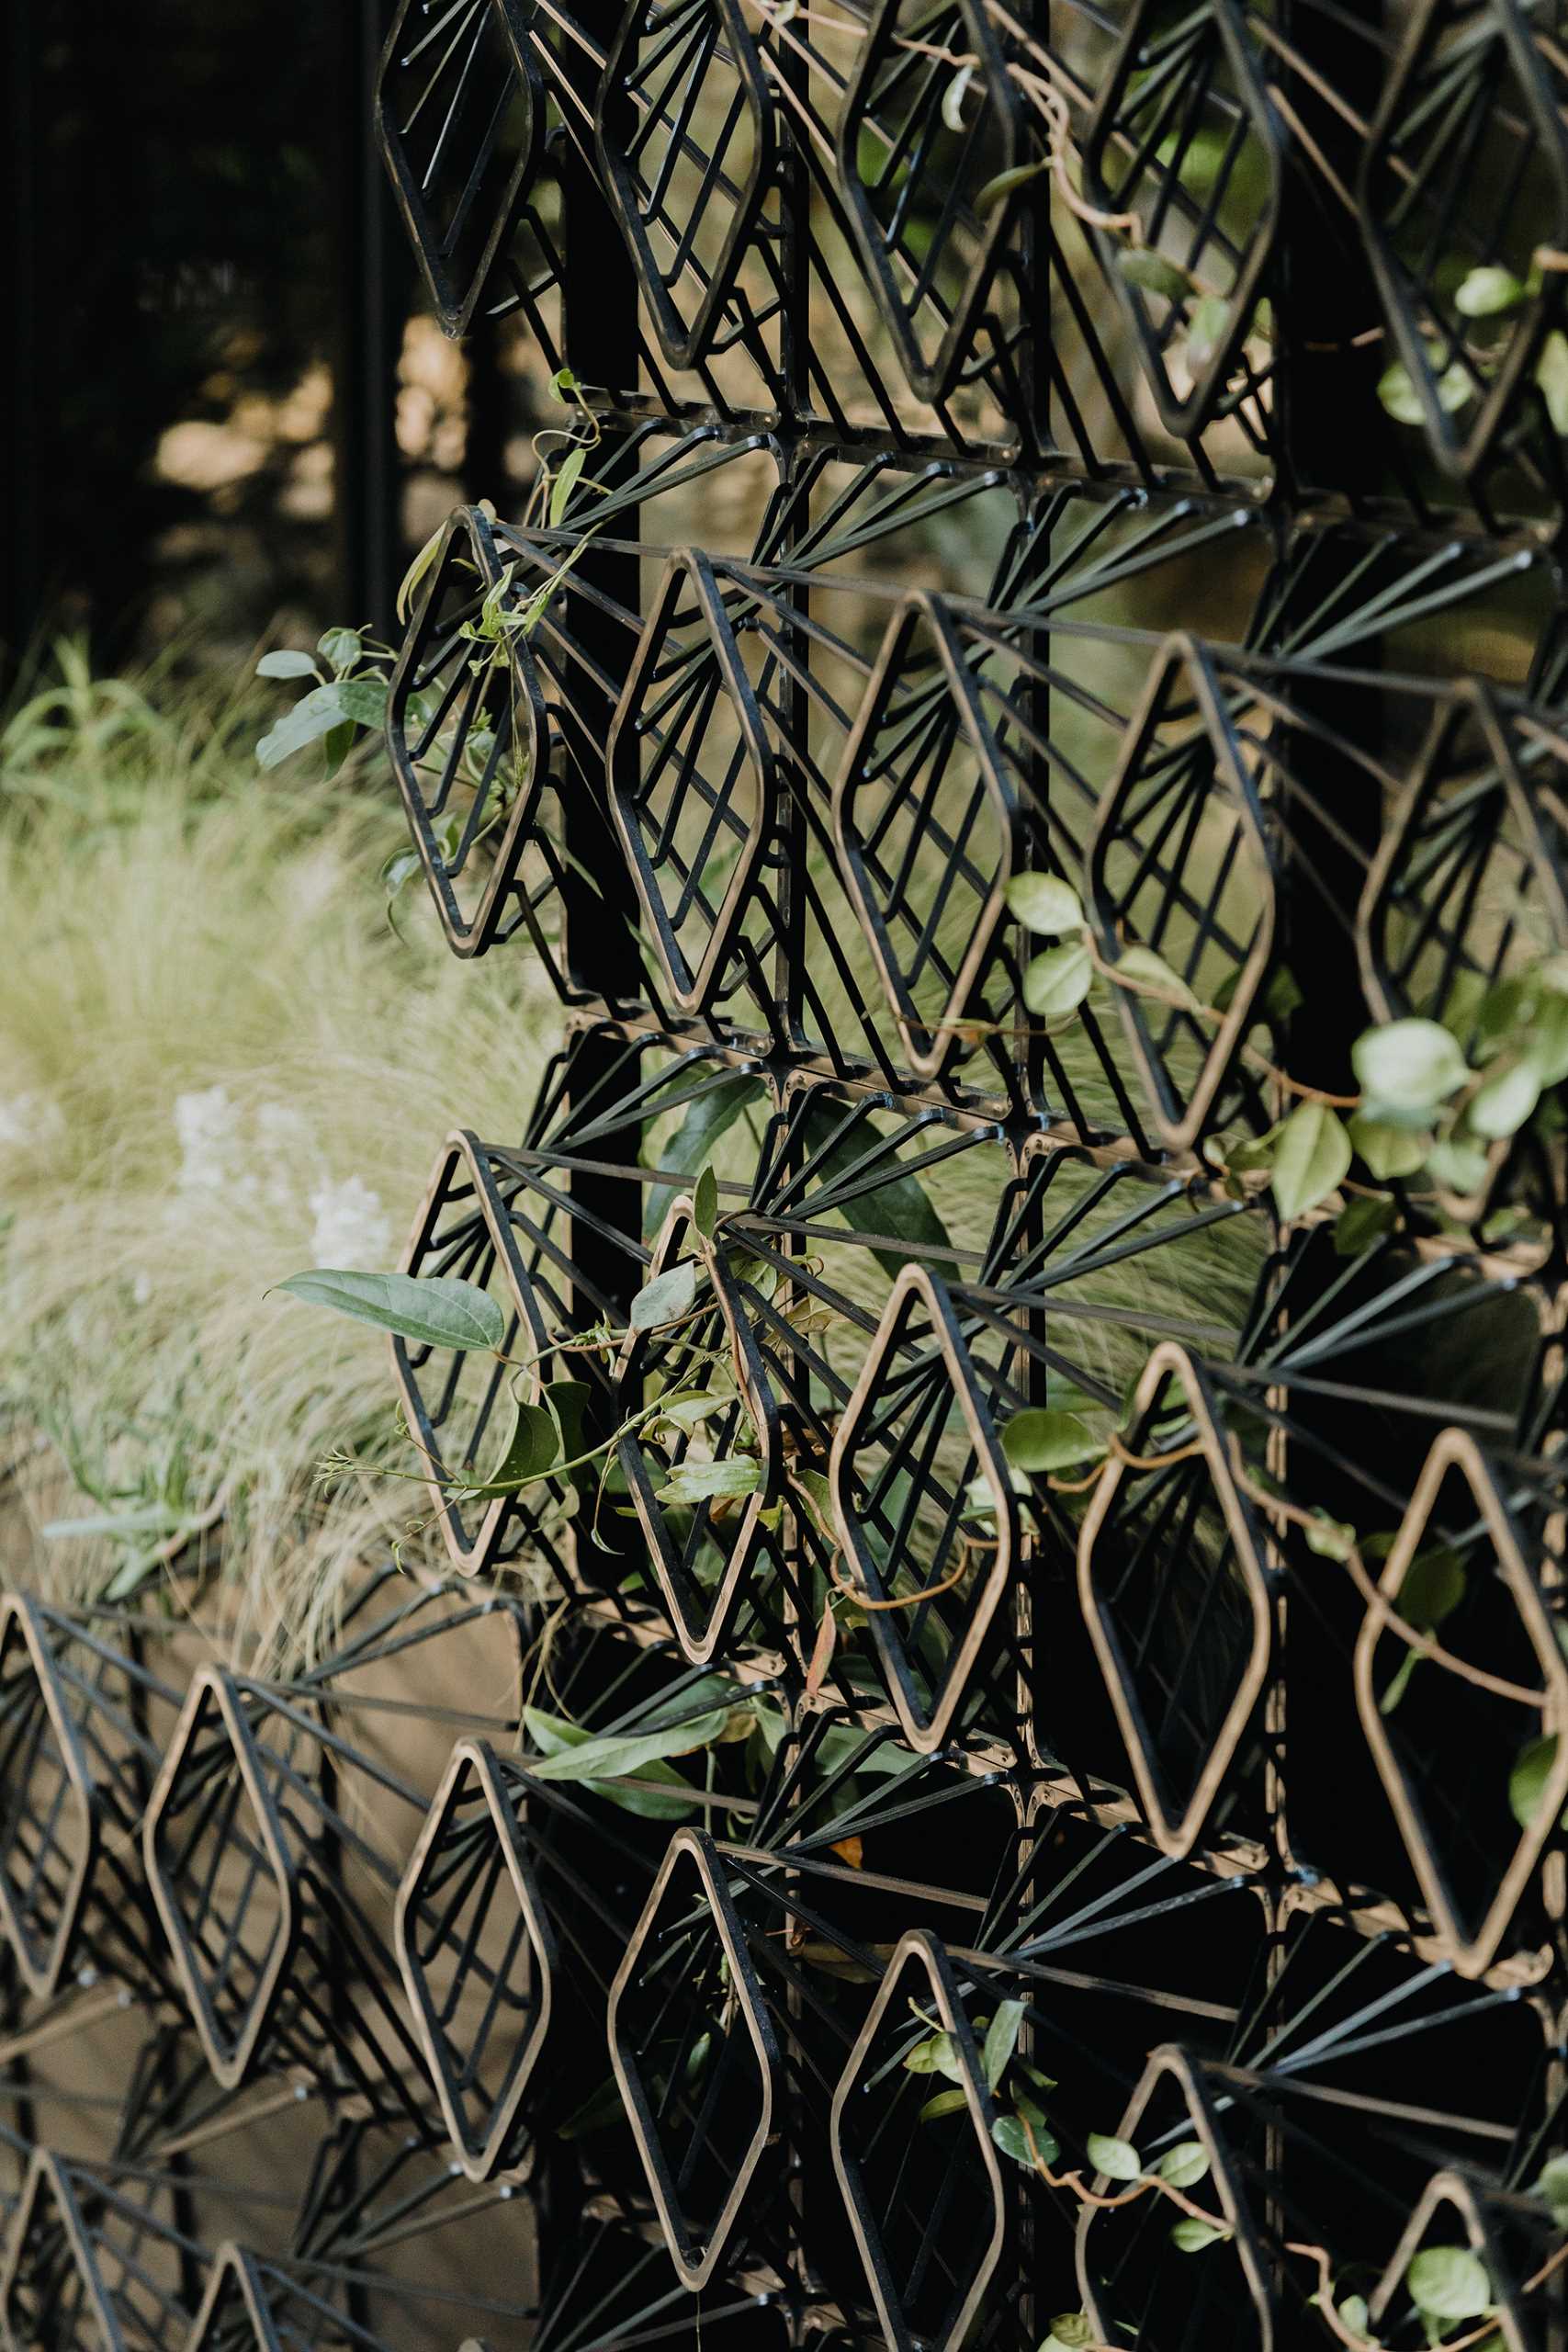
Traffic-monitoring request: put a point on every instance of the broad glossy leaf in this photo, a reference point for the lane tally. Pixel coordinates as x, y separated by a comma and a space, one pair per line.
430, 1310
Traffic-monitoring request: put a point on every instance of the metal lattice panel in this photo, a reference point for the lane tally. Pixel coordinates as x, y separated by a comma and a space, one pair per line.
1051, 628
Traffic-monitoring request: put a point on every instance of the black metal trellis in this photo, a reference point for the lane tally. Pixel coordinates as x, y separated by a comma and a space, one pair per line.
994, 469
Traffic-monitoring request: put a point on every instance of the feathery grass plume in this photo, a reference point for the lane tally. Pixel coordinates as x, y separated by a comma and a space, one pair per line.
216, 1060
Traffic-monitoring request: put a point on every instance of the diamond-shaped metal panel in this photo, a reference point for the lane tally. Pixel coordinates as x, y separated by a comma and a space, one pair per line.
930, 1530
461, 1403
49, 1815
1445, 1745
1168, 1544
692, 778
695, 2054
922, 773
1185, 143
702, 1549
1129, 2265
221, 1872
477, 1955
911, 180
1455, 2210
1466, 169
234, 2314
1186, 769
685, 143
51, 2290
1468, 885
457, 108
471, 745
931, 2246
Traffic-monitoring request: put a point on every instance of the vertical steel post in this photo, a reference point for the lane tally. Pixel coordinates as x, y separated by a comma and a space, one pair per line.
367, 502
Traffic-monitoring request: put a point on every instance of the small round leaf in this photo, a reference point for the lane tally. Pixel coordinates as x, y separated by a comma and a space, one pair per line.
1117, 2159
1192, 2236
1311, 1160
1449, 2282
1183, 2164
1411, 1065
1533, 1768
1043, 902
1056, 982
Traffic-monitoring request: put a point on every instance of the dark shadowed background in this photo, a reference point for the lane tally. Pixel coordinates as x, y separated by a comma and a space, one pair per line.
226, 402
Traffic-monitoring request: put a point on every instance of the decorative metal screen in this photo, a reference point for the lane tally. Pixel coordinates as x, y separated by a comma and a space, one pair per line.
1022, 720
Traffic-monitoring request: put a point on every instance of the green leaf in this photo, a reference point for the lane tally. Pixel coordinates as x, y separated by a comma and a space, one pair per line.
574, 1756
313, 715
564, 484
897, 1206
1410, 1065
1259, 1153
399, 867
1544, 1043
1117, 2159
1551, 375
1001, 2040
430, 1310
667, 1298
1533, 1768
1140, 971
1455, 388
704, 1203
568, 1400
952, 99
1206, 330
1396, 390
129, 1576
337, 747
818, 1494
341, 648
701, 1482
1152, 273
1011, 2137
1311, 1160
363, 700
1449, 2282
1354, 2313
1069, 2331
1387, 1149
1457, 1166
1184, 2164
936, 2054
145, 1518
285, 664
1433, 1587
1504, 1101
1484, 292
1056, 981
944, 2103
1331, 1539
1552, 2184
1361, 1223
1005, 184
417, 570
1041, 1439
708, 1115
1283, 996
530, 1450
1044, 904
602, 2106
1192, 2236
